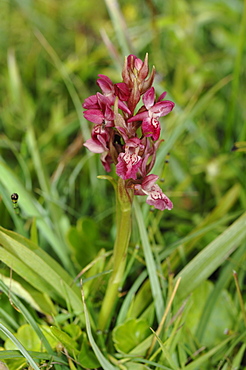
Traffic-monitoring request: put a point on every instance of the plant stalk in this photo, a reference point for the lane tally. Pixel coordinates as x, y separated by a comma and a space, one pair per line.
123, 220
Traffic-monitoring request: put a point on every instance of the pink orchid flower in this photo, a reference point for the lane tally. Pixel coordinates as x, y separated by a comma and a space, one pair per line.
111, 90
155, 197
98, 143
99, 110
151, 125
129, 161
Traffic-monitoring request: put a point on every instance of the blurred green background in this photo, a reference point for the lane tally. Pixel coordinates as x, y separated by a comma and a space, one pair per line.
50, 55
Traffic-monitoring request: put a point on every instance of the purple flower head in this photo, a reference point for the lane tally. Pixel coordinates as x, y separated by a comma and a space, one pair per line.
124, 137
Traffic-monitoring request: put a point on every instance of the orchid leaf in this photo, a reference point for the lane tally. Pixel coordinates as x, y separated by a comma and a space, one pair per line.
211, 257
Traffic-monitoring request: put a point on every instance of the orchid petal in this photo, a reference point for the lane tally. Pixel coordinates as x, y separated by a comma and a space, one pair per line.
162, 108
138, 117
149, 98
94, 146
94, 115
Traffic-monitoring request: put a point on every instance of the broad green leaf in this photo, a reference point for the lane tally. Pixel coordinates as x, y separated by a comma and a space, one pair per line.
221, 317
130, 334
39, 301
28, 317
16, 363
83, 240
87, 357
220, 284
27, 273
29, 339
32, 209
33, 267
20, 347
41, 253
73, 330
142, 347
66, 340
211, 257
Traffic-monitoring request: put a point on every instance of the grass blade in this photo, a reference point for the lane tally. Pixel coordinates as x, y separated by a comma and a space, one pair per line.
28, 317
106, 365
33, 209
119, 25
204, 358
222, 282
27, 263
211, 257
20, 346
151, 266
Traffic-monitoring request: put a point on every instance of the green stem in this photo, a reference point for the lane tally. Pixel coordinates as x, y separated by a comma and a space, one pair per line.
124, 210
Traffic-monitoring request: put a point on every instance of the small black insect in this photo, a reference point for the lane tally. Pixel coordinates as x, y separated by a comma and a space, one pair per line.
14, 198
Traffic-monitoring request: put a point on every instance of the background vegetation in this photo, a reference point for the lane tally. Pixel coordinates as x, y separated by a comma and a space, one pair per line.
50, 55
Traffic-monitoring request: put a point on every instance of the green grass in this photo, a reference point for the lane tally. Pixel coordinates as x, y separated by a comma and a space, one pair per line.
50, 55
